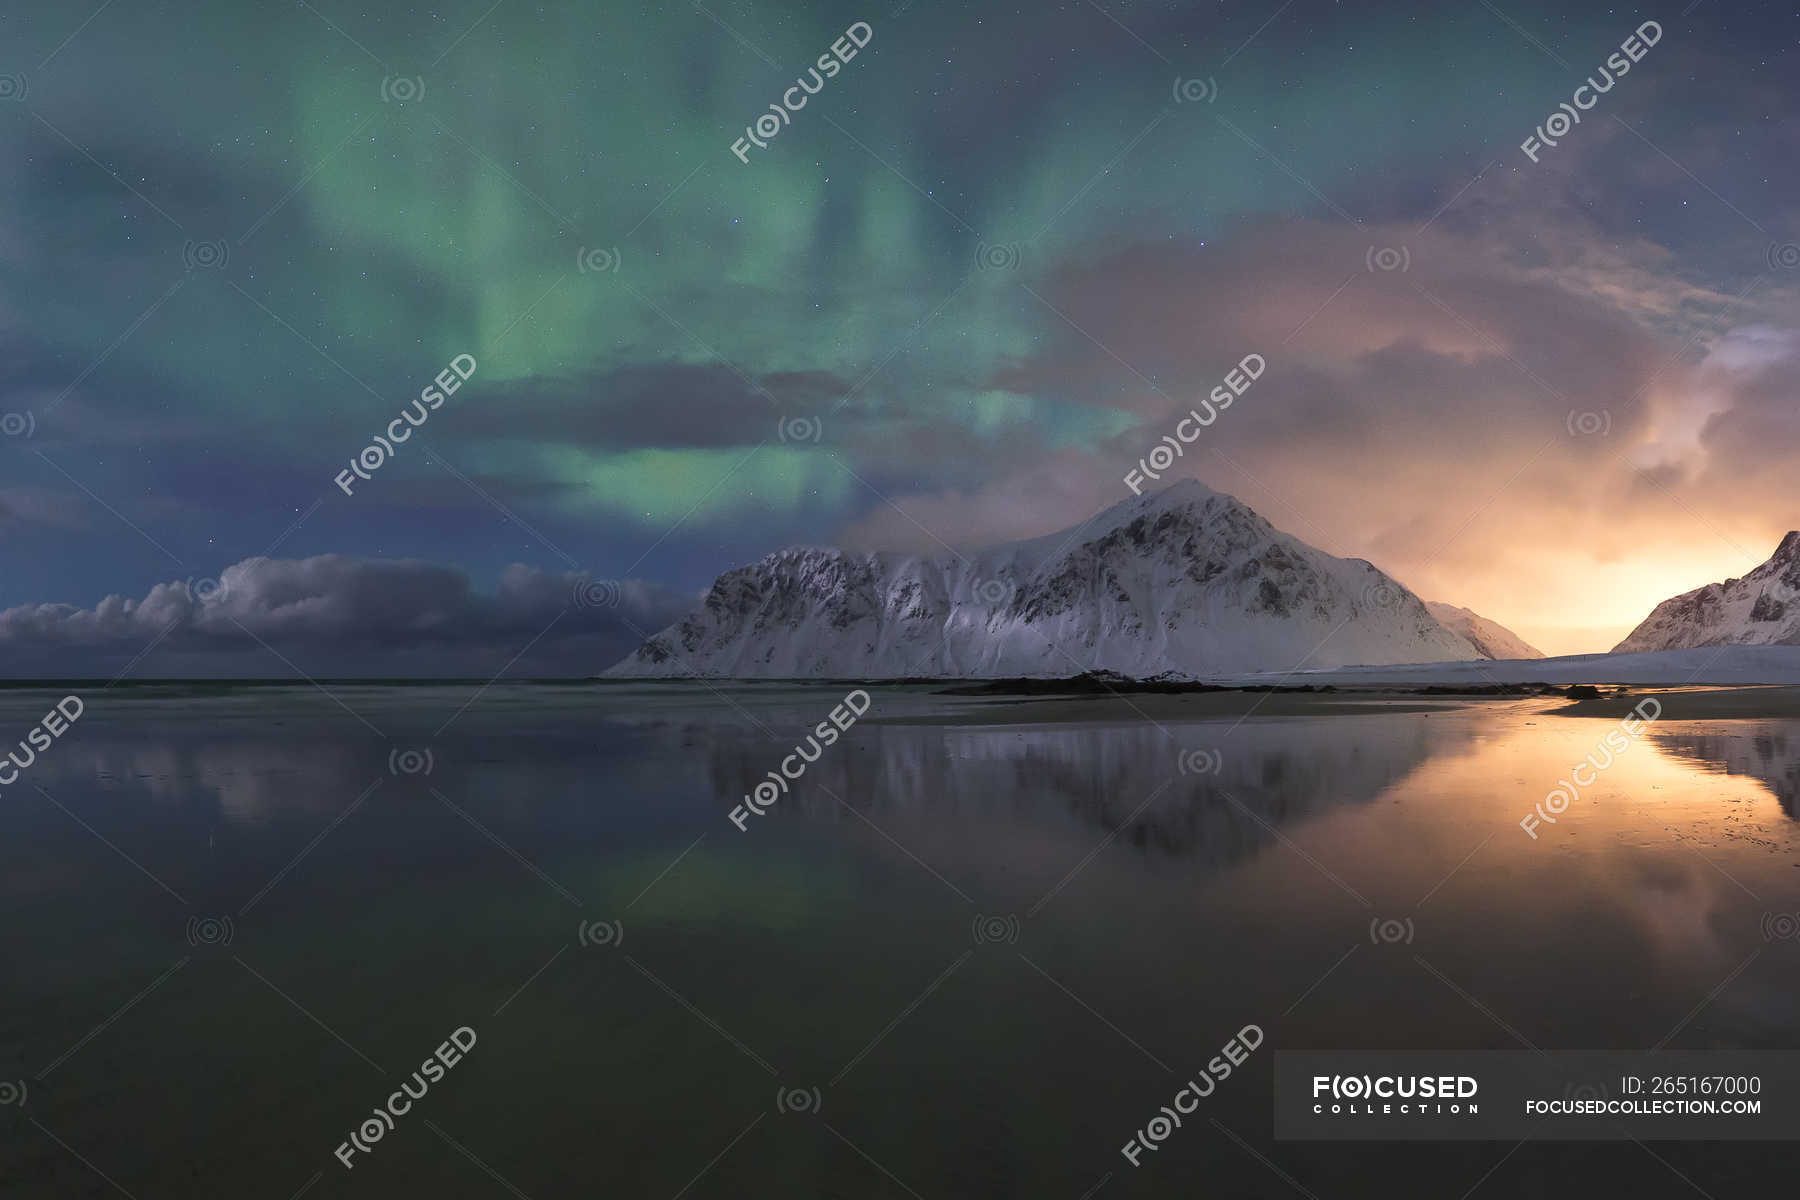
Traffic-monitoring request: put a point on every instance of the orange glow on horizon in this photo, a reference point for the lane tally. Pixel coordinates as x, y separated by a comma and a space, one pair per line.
1572, 605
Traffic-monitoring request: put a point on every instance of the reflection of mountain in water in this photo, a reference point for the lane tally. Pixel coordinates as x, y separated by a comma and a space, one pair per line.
1127, 779
254, 778
1772, 758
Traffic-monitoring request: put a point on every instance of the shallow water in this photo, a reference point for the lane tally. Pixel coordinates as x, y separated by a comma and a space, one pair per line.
236, 923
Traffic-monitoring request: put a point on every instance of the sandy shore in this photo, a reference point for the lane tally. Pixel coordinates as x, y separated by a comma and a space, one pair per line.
1696, 704
1134, 707
1125, 707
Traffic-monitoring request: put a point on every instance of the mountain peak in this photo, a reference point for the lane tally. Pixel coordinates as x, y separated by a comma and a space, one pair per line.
1184, 580
1183, 502
1760, 609
1182, 491
1183, 494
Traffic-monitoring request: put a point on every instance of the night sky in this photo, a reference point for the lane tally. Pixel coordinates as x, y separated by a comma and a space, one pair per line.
954, 300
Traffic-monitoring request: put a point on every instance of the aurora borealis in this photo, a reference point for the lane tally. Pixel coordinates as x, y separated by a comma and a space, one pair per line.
953, 301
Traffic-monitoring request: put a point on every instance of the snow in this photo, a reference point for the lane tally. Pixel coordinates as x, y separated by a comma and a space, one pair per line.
1761, 609
1664, 668
1490, 638
1186, 581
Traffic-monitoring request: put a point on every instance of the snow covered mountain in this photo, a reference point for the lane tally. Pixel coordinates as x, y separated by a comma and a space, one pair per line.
1761, 609
1186, 581
1490, 638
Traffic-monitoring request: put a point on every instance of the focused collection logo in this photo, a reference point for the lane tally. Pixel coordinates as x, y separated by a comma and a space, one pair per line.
1395, 1095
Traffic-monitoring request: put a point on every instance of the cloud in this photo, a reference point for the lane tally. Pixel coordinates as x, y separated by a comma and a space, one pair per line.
332, 615
23, 508
1533, 439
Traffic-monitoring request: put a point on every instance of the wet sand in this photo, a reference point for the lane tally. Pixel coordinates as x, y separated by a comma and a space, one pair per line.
1134, 707
1696, 704
1121, 706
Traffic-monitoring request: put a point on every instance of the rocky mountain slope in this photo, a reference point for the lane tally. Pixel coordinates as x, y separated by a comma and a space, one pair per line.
1186, 581
1761, 609
1490, 638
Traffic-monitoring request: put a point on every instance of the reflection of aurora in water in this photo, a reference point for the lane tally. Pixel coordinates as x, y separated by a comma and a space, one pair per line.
1016, 866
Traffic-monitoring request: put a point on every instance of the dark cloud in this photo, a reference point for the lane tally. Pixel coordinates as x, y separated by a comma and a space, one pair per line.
1752, 439
337, 616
